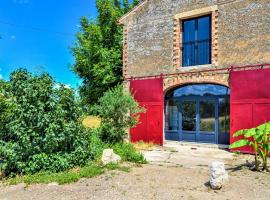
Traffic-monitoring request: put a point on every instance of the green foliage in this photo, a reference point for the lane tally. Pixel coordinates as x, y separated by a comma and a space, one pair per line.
259, 139
98, 49
41, 130
114, 166
40, 126
96, 145
88, 171
128, 153
118, 111
135, 2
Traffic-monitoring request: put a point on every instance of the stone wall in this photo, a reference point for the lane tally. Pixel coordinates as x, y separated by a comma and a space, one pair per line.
242, 37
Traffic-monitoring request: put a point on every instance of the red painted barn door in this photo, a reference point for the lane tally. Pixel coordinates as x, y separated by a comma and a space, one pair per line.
149, 94
250, 100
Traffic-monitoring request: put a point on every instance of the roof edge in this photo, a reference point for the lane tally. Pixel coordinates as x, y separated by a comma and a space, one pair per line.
122, 19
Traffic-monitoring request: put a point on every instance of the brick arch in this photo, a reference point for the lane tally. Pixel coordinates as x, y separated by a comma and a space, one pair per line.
179, 80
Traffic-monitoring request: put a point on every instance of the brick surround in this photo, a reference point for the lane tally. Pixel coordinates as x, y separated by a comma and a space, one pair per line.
177, 36
125, 52
177, 40
220, 77
214, 53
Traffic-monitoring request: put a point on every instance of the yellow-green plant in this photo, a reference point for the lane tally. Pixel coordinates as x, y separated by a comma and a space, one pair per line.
258, 139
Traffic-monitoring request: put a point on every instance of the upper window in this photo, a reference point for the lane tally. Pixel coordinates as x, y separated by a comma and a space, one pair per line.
197, 41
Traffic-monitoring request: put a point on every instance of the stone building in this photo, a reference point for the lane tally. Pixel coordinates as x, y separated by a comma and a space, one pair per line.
189, 46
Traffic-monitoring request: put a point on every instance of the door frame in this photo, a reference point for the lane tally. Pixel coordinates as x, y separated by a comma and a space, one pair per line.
196, 133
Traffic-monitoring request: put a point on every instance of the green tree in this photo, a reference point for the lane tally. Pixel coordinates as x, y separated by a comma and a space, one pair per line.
39, 126
98, 49
136, 2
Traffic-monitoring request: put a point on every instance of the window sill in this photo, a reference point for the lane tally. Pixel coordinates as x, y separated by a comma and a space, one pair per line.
196, 67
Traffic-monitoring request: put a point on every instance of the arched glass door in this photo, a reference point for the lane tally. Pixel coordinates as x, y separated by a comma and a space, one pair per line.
198, 113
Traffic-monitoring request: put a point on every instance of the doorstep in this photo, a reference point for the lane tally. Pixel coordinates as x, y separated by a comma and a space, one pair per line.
172, 144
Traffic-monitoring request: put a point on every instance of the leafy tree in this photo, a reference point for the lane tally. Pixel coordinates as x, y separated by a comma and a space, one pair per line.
98, 49
113, 109
39, 126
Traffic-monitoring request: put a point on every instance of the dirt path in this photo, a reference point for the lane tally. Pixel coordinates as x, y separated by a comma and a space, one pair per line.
161, 179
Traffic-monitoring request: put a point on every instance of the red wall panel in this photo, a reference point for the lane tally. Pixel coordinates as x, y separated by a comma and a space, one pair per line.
241, 118
250, 100
154, 123
149, 94
261, 113
147, 90
136, 134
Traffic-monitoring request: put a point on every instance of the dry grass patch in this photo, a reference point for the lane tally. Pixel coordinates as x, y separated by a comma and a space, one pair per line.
91, 122
139, 146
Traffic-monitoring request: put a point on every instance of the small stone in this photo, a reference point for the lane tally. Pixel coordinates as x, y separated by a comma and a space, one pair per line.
108, 156
82, 180
218, 175
53, 184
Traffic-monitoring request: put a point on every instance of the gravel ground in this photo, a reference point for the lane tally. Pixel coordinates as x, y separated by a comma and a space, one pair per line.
163, 178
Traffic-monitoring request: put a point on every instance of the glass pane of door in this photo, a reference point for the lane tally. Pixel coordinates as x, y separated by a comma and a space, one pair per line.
224, 121
189, 115
207, 116
172, 115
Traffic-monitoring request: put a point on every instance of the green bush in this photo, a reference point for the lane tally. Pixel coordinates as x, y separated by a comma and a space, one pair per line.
40, 126
96, 146
128, 153
118, 111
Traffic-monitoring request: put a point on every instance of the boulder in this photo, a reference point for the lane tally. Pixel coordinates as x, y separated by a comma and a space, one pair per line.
218, 175
108, 156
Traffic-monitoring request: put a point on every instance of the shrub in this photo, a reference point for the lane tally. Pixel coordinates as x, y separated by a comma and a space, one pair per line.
128, 153
96, 146
118, 111
258, 139
40, 126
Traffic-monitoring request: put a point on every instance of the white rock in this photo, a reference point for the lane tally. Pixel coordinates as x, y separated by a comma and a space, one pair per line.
218, 175
108, 156
53, 184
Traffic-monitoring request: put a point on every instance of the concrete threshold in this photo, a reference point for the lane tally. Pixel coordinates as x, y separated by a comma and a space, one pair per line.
172, 144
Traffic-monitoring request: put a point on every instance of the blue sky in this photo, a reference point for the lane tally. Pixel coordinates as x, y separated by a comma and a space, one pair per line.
37, 34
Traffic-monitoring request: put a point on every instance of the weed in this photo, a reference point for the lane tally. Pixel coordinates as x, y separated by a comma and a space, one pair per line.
112, 166
73, 175
128, 153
